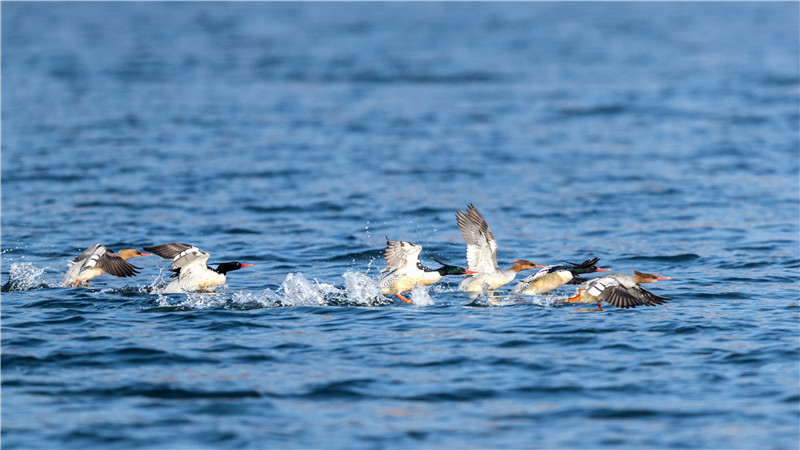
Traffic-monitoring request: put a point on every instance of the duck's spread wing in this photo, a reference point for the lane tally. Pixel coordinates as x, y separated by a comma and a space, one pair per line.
181, 254
481, 245
115, 265
190, 256
169, 251
647, 297
87, 253
612, 292
399, 254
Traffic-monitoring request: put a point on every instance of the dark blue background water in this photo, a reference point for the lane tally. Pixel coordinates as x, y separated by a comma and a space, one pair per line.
660, 137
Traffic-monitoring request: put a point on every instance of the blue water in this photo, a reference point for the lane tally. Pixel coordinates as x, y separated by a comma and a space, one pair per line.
661, 137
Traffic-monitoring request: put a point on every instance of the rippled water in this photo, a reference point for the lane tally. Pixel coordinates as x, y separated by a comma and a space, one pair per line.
659, 137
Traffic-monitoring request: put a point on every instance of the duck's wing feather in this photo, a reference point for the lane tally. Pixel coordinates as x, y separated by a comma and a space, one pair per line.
481, 244
181, 254
169, 251
610, 290
115, 265
620, 297
399, 254
86, 254
647, 297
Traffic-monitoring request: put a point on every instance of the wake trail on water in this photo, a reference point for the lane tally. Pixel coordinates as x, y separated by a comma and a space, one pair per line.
296, 290
359, 289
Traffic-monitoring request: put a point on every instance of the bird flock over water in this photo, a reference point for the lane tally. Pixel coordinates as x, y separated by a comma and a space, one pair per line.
403, 271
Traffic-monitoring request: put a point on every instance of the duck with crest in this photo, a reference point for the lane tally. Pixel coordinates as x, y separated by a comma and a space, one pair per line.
482, 254
99, 259
620, 290
405, 270
189, 265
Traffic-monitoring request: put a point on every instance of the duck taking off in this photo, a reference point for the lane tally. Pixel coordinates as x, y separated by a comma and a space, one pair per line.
620, 290
99, 259
189, 265
552, 277
482, 254
405, 270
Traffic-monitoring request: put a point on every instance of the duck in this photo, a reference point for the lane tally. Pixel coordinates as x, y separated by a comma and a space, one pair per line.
620, 290
99, 259
482, 254
189, 266
554, 276
406, 271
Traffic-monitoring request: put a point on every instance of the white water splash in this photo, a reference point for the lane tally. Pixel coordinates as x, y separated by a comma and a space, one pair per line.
362, 290
484, 298
24, 277
419, 295
298, 291
158, 285
193, 300
545, 300
251, 300
204, 300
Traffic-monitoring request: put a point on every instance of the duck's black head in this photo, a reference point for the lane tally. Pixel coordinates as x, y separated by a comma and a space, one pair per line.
229, 266
447, 269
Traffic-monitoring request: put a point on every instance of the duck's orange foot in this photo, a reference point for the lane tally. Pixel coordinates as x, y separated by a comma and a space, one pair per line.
577, 297
404, 299
600, 306
77, 282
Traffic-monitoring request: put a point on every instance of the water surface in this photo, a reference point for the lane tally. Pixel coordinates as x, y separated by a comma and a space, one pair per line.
659, 137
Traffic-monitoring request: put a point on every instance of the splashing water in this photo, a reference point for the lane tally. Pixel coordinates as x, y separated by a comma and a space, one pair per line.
157, 286
24, 277
362, 290
203, 300
420, 297
546, 300
484, 298
193, 300
359, 290
298, 291
252, 300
